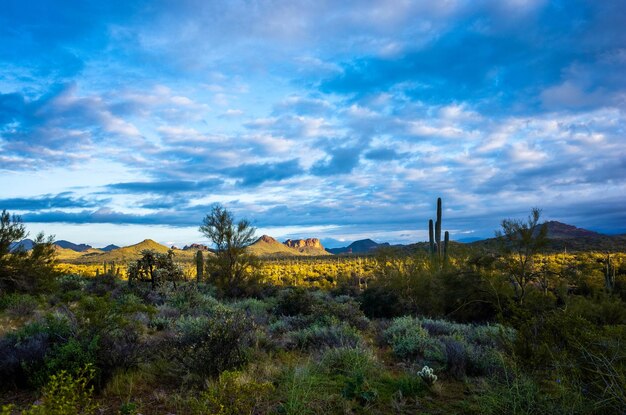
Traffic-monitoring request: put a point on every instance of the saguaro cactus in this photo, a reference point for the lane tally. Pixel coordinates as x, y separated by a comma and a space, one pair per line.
431, 236
609, 274
199, 266
437, 249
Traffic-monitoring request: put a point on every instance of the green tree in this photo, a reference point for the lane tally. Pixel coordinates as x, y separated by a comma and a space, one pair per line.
520, 241
19, 269
232, 265
156, 268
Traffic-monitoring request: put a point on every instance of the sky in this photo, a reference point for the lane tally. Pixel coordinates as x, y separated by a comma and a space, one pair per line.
126, 120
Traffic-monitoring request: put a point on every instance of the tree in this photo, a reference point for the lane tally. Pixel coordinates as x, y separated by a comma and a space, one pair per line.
520, 241
156, 268
232, 264
19, 269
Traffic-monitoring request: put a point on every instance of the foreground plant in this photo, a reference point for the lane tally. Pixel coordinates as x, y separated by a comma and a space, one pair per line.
427, 375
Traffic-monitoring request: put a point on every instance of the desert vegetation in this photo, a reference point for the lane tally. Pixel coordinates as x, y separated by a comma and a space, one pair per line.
442, 328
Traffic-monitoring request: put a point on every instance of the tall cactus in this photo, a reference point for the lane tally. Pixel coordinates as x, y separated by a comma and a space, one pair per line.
446, 239
437, 249
431, 236
438, 227
199, 266
609, 274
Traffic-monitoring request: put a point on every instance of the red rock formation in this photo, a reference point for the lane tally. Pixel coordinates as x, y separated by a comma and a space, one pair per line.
304, 243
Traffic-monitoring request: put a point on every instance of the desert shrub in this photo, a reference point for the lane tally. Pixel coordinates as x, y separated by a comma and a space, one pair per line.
71, 282
318, 337
23, 352
67, 394
294, 301
405, 385
442, 327
358, 388
102, 284
17, 359
188, 300
349, 360
519, 394
235, 393
483, 360
290, 323
407, 337
603, 309
257, 310
159, 323
381, 302
343, 308
456, 354
69, 357
18, 305
491, 335
205, 347
459, 349
120, 349
303, 392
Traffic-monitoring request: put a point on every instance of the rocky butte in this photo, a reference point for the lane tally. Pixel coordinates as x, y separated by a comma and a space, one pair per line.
304, 243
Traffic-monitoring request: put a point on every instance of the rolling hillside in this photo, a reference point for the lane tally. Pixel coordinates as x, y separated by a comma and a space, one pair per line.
128, 253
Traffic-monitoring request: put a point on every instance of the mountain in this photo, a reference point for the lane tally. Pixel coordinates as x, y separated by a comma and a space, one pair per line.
74, 247
562, 236
109, 248
25, 244
309, 246
558, 230
129, 253
196, 247
266, 246
363, 246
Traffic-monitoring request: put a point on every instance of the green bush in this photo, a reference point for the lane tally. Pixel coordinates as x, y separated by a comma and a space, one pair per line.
67, 394
342, 308
23, 352
294, 301
349, 360
71, 282
235, 393
519, 394
407, 337
18, 305
189, 300
318, 337
206, 346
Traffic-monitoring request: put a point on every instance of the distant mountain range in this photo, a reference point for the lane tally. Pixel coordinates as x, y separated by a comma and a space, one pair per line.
562, 237
363, 246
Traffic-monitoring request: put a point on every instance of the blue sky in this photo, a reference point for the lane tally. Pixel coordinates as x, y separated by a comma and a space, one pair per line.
125, 120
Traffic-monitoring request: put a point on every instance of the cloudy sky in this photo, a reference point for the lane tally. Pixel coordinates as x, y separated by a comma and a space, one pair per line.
124, 120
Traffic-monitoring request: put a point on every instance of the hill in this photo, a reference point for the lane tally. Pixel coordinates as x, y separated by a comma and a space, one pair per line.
266, 246
74, 247
562, 236
25, 244
68, 255
109, 248
363, 246
129, 253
